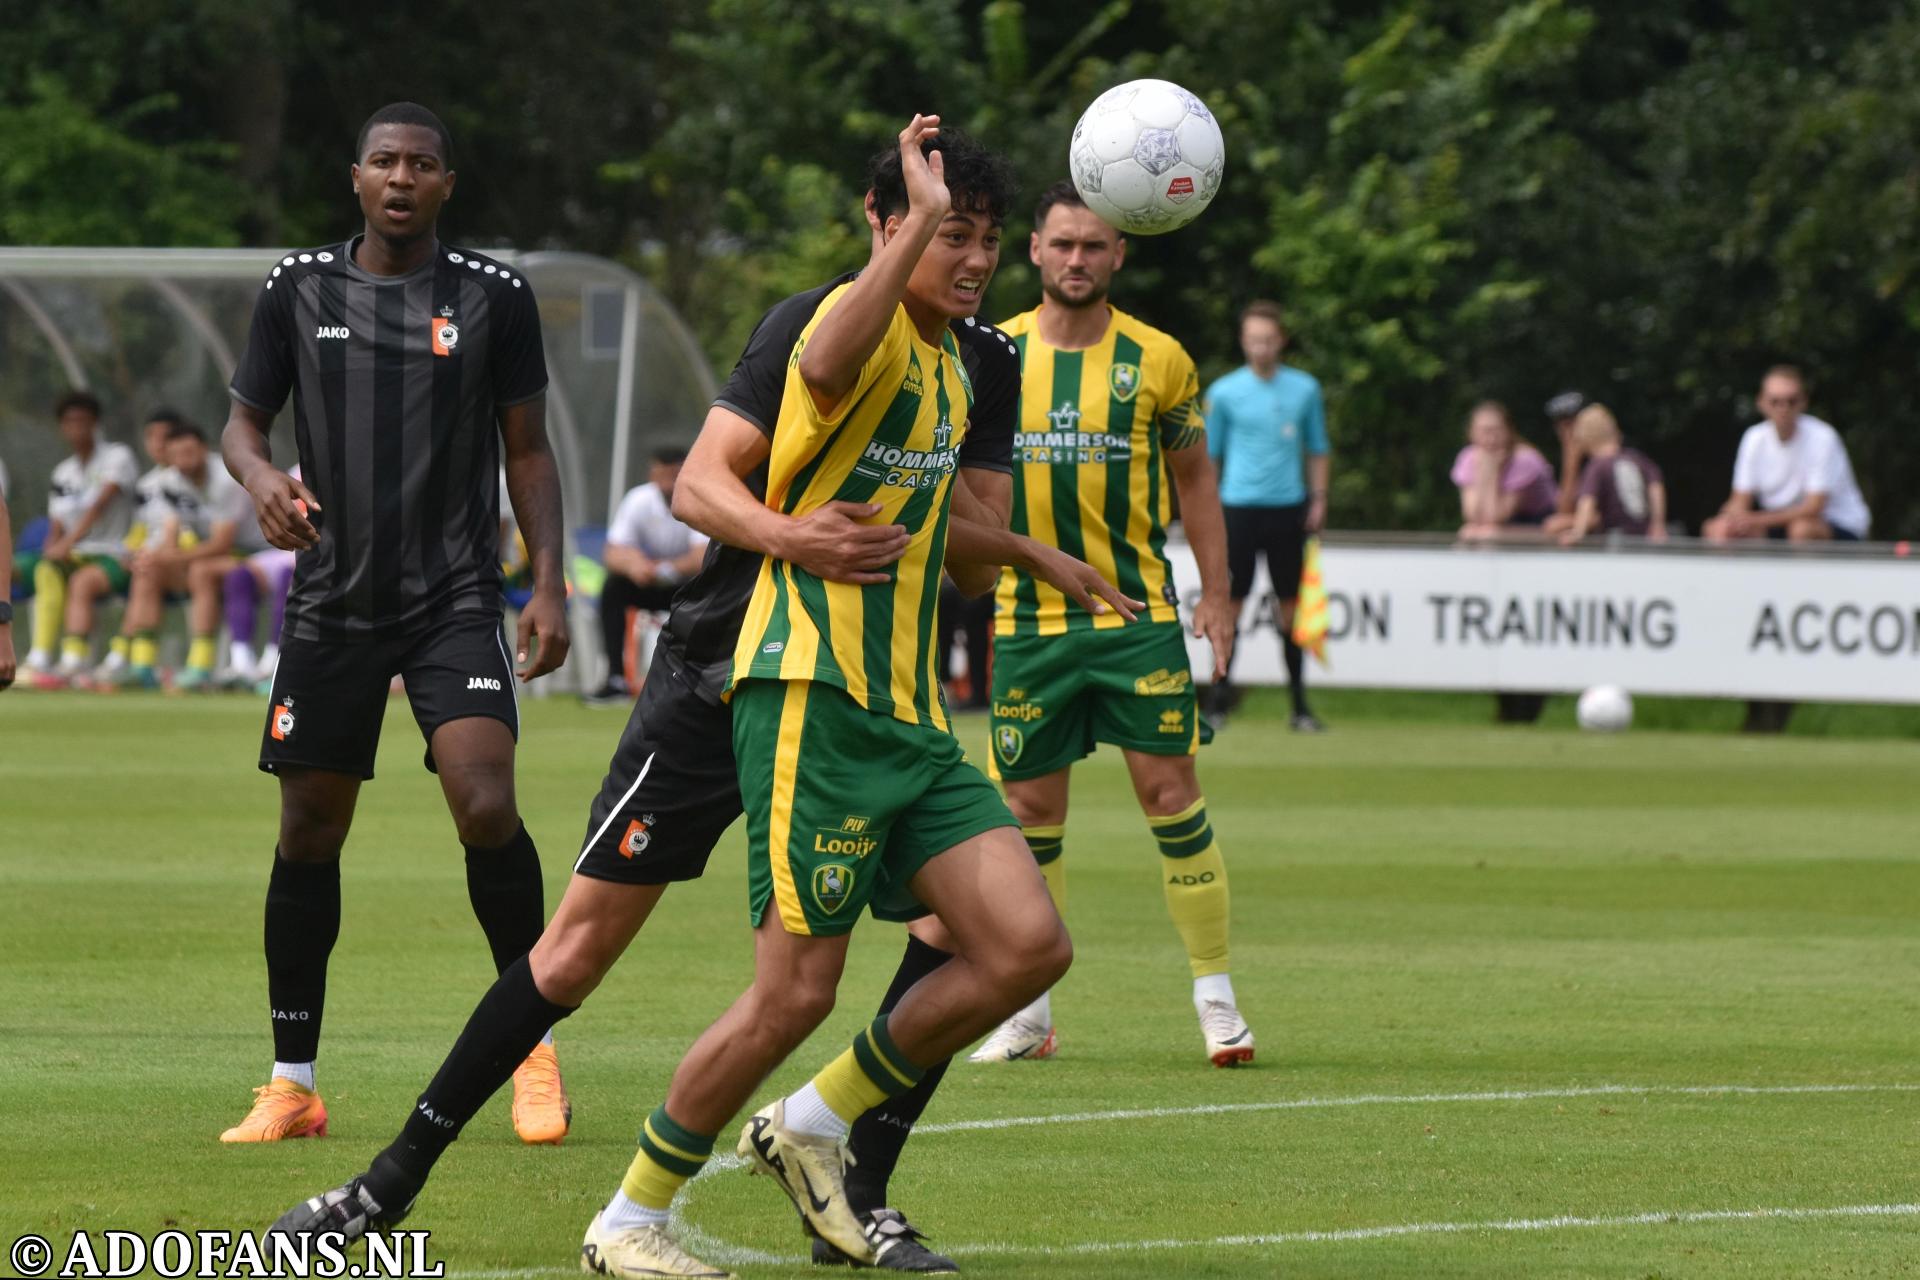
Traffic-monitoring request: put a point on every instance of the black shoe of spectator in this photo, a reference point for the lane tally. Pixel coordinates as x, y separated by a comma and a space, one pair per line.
611, 694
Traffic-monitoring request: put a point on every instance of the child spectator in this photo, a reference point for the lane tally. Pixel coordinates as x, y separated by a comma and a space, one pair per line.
1506, 485
1621, 490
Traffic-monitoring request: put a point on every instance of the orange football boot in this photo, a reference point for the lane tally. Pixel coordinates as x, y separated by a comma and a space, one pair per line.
541, 1111
281, 1109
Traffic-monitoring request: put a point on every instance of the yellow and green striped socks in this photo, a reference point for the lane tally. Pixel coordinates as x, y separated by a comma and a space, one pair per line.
1047, 844
200, 653
144, 651
854, 1083
1195, 879
668, 1156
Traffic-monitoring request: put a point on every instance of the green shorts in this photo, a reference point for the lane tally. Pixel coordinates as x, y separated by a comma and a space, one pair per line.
119, 577
1056, 697
845, 805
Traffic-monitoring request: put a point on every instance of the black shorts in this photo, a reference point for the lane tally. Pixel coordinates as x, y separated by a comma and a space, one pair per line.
329, 698
671, 789
1279, 534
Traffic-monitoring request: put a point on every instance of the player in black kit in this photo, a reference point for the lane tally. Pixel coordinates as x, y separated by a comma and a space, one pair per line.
671, 787
409, 364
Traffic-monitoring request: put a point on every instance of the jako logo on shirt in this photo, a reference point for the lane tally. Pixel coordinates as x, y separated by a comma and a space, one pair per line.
332, 331
482, 682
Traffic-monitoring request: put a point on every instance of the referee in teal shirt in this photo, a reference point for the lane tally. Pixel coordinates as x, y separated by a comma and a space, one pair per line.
1267, 432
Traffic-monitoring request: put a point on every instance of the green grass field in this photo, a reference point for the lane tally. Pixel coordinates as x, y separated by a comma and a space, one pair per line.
1529, 1003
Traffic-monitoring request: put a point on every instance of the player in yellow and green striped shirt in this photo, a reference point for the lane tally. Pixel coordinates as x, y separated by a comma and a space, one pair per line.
856, 794
1110, 421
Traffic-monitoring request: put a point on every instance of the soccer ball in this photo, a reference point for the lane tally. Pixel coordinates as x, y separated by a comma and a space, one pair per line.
1147, 156
1605, 708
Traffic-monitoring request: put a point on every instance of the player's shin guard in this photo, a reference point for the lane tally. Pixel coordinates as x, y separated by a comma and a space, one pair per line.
880, 1134
1195, 878
508, 897
502, 1030
303, 922
668, 1156
866, 1075
1047, 844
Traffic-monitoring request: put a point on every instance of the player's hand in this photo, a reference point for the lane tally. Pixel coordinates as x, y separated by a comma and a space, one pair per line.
1080, 582
57, 549
543, 621
832, 543
1316, 515
283, 506
925, 174
6, 654
1213, 618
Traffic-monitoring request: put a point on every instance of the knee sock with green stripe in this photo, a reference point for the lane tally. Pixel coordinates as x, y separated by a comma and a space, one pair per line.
668, 1156
1195, 879
860, 1079
1047, 843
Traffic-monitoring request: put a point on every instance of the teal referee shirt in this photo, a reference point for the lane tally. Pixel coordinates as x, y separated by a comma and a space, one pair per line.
1260, 430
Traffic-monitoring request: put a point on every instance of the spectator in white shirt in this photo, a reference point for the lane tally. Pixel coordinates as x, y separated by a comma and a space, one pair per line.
649, 554
1791, 478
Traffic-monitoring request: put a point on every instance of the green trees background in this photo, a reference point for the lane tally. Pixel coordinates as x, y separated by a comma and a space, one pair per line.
1649, 200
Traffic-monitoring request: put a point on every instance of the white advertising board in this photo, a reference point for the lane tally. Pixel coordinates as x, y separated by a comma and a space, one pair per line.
1486, 618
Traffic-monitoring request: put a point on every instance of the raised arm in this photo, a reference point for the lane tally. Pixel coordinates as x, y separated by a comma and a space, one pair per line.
841, 344
533, 485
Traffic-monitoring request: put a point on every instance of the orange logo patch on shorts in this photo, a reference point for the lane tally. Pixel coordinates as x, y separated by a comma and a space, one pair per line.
281, 726
639, 835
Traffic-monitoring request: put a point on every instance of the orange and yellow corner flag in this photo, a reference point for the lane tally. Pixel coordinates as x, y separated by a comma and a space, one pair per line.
1310, 613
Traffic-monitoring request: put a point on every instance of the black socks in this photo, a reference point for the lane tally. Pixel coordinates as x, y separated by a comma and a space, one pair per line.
303, 921
508, 898
880, 1134
502, 1030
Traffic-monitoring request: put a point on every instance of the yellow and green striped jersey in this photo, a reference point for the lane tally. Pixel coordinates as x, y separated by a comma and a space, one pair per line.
1088, 472
893, 439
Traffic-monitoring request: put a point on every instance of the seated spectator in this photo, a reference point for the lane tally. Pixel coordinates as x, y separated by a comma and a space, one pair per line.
649, 553
1621, 490
90, 582
190, 552
1791, 478
90, 510
1506, 485
1561, 411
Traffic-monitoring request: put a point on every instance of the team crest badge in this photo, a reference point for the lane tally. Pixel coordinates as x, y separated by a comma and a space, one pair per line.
639, 835
446, 335
1124, 381
282, 727
1009, 742
831, 885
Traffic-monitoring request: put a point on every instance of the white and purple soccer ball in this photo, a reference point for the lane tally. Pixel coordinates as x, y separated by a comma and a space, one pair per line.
1147, 156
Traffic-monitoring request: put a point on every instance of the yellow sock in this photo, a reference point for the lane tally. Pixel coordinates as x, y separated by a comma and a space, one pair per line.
866, 1075
144, 651
49, 604
1047, 844
73, 648
1195, 879
667, 1157
200, 653
117, 646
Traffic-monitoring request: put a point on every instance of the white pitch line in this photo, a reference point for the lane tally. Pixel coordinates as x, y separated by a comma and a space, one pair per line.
729, 1254
1415, 1099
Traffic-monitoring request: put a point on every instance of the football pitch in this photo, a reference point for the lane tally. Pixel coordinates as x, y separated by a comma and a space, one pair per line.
1528, 1003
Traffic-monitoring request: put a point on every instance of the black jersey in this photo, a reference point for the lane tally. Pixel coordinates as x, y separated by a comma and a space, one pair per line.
396, 382
707, 610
